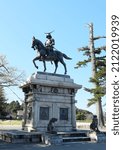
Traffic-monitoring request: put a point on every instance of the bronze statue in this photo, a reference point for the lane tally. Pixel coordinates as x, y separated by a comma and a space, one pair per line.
55, 56
50, 126
94, 124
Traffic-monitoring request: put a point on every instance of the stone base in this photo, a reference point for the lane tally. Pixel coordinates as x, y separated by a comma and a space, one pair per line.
49, 96
99, 137
50, 139
44, 138
15, 136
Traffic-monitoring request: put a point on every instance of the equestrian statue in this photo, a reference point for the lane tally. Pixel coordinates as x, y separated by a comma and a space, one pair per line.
47, 53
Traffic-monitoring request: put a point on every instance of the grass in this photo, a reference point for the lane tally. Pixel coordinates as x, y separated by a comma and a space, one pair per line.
19, 122
10, 122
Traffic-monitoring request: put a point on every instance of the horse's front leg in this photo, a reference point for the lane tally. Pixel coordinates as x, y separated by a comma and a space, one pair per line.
35, 59
44, 65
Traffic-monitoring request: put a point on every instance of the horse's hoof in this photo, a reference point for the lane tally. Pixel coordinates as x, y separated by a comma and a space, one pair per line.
37, 67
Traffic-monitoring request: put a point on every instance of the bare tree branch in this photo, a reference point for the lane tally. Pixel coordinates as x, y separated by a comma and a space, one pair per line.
9, 76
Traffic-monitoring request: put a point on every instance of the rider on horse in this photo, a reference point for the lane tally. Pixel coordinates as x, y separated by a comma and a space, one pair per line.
50, 42
55, 56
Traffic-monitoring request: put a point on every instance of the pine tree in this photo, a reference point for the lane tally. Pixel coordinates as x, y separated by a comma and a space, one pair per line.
95, 56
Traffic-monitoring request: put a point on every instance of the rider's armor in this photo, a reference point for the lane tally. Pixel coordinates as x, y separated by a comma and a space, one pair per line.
50, 42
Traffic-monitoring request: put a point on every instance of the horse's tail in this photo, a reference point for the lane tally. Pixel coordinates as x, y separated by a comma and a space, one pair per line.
66, 57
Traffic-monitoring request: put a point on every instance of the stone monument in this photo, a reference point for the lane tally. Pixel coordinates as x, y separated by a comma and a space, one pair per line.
49, 96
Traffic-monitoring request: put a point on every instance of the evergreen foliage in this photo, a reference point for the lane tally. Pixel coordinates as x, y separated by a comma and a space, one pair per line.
100, 77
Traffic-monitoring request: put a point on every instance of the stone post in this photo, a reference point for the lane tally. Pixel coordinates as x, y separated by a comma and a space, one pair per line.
73, 113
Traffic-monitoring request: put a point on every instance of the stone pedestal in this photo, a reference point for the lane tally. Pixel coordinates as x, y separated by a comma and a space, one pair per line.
49, 96
99, 137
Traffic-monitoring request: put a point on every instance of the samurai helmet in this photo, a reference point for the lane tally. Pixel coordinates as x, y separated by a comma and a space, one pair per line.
48, 34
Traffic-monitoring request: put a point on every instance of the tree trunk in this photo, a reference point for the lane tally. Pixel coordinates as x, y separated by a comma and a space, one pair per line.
101, 118
99, 111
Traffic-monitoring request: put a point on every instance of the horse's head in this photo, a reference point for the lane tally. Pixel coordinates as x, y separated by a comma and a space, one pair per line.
33, 43
36, 44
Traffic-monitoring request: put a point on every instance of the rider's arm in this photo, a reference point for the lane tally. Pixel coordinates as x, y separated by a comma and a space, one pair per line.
53, 42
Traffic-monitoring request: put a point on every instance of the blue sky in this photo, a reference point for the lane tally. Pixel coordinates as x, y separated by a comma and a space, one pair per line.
20, 20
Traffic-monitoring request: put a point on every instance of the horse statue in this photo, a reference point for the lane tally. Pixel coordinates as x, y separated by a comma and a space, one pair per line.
55, 56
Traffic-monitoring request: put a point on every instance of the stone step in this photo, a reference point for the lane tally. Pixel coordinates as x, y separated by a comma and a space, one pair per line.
75, 139
64, 137
75, 136
73, 132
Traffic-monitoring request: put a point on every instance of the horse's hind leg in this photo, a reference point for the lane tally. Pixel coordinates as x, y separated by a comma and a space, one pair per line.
65, 67
63, 63
56, 66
